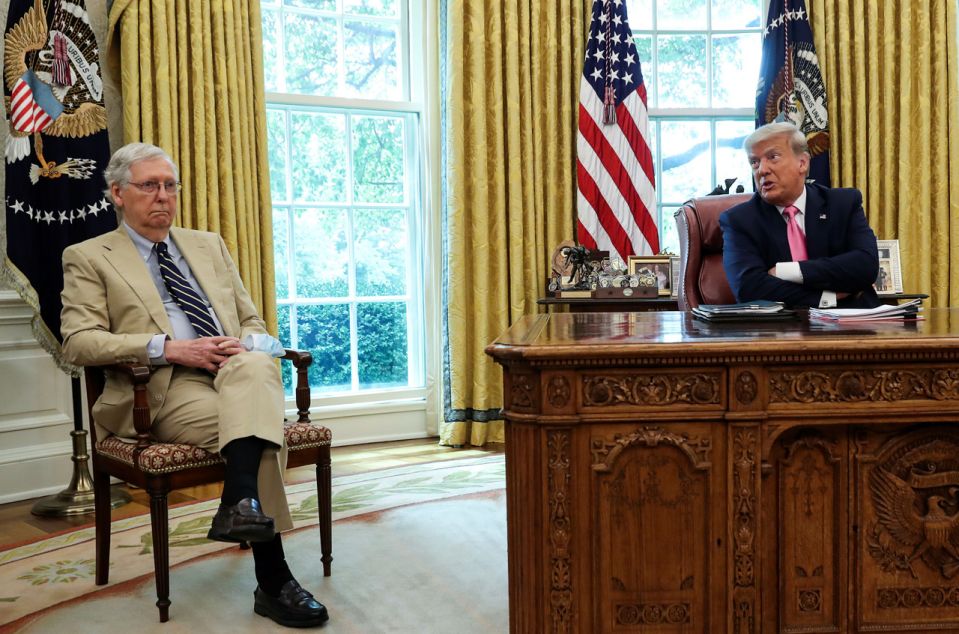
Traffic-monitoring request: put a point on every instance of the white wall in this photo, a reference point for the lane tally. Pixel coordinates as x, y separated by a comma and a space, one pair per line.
36, 410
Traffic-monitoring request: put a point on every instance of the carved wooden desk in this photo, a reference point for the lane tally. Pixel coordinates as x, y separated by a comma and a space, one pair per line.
666, 475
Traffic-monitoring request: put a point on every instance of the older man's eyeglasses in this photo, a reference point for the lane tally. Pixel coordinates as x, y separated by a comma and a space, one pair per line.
151, 187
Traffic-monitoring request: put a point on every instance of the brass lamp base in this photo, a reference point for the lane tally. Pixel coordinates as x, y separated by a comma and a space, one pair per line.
77, 498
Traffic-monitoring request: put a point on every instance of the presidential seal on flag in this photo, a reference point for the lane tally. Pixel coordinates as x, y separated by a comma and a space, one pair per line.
790, 85
55, 152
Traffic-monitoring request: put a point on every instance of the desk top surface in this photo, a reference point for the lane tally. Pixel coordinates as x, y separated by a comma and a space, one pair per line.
660, 333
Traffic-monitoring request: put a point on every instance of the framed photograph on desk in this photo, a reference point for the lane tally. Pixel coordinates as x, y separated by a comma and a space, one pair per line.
658, 265
889, 280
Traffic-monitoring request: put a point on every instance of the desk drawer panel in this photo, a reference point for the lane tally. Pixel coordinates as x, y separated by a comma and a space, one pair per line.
699, 389
857, 386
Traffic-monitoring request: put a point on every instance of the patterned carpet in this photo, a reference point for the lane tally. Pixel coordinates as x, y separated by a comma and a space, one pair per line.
416, 549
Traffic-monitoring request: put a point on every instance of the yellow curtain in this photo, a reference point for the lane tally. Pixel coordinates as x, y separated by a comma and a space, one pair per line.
512, 98
891, 80
191, 76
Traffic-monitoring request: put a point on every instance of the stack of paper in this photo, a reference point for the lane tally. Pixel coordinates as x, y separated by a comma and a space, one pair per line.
909, 310
745, 311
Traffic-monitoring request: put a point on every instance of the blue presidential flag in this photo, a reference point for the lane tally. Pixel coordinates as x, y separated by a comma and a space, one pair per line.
55, 153
790, 81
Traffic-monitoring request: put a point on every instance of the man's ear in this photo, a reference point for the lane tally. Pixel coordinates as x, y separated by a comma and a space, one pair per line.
804, 159
118, 199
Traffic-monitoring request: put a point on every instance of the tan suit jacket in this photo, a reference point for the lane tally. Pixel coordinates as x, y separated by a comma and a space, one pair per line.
111, 310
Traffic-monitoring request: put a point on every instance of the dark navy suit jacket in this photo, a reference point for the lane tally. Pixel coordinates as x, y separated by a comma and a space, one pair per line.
840, 245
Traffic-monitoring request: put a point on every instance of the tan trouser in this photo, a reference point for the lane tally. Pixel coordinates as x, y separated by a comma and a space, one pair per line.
245, 399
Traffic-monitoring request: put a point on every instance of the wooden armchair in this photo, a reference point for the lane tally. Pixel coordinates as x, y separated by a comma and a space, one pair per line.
159, 468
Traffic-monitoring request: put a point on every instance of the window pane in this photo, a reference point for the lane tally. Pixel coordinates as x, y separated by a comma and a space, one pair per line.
283, 334
640, 14
271, 50
370, 54
686, 160
735, 67
276, 150
319, 143
310, 54
323, 5
730, 157
682, 71
668, 236
281, 251
381, 344
681, 14
321, 257
378, 173
644, 49
325, 331
736, 14
383, 8
380, 251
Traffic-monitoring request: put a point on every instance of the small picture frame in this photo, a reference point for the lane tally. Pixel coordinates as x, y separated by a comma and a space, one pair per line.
889, 280
674, 267
658, 265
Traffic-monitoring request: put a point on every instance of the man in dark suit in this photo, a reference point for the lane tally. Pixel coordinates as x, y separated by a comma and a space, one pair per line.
802, 244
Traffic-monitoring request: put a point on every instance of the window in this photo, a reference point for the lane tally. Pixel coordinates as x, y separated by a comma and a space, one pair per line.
345, 179
700, 61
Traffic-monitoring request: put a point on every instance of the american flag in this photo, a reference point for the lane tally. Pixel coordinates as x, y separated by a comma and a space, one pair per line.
614, 171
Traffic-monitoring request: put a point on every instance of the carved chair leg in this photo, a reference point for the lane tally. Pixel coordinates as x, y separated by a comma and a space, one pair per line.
101, 511
161, 547
324, 499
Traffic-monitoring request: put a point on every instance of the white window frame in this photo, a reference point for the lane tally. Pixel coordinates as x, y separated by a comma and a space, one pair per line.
407, 406
709, 115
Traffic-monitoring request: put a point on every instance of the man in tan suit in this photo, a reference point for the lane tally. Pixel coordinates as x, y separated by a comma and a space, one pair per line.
155, 294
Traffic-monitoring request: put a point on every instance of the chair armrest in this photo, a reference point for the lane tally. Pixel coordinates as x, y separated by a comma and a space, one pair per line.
302, 361
139, 375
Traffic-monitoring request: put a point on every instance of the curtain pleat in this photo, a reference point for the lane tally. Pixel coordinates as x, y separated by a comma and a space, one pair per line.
191, 75
890, 70
512, 100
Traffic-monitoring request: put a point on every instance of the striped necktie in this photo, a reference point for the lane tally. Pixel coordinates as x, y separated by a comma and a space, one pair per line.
184, 295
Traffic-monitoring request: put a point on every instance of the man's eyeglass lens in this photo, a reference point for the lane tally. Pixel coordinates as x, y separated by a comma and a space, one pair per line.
151, 187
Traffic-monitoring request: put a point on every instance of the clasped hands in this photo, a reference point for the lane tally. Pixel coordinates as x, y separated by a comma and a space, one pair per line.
207, 353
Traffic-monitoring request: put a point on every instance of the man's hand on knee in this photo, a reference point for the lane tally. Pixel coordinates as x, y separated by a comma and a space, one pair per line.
208, 353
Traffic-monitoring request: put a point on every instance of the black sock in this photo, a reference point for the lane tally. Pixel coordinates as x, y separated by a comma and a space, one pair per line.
270, 565
242, 465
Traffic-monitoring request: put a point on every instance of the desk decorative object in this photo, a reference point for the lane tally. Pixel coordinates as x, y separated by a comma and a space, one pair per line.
672, 475
578, 273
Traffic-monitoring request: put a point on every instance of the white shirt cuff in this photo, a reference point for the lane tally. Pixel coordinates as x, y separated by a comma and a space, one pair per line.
789, 271
263, 343
828, 299
155, 350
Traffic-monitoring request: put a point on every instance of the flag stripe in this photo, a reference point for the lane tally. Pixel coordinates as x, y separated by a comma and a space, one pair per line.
616, 204
630, 208
605, 216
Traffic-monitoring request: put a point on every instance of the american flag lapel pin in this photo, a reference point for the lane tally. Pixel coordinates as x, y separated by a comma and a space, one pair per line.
822, 216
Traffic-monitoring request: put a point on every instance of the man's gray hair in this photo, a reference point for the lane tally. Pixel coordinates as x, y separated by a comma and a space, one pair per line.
796, 137
117, 171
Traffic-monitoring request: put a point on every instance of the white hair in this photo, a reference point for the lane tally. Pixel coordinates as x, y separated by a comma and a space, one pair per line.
797, 140
117, 171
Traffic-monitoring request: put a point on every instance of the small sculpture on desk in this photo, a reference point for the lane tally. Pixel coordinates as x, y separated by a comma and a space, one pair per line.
577, 261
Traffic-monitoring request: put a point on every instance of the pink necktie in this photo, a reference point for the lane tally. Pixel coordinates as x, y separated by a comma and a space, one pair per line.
797, 241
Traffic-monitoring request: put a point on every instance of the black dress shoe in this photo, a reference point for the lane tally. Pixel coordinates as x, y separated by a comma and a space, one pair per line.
241, 522
295, 607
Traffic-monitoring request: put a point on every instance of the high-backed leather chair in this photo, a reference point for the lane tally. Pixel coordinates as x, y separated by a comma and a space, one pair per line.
159, 467
702, 278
